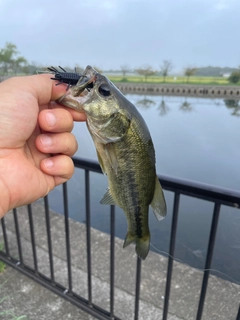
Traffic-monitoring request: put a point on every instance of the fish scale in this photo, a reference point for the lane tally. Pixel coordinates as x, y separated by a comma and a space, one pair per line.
138, 193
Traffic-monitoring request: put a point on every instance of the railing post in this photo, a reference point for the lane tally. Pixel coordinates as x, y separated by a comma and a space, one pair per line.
88, 236
171, 254
30, 217
5, 236
137, 290
112, 259
67, 235
211, 243
49, 240
238, 315
18, 236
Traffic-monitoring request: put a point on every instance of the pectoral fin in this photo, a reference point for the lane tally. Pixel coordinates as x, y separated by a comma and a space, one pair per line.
101, 162
107, 198
158, 203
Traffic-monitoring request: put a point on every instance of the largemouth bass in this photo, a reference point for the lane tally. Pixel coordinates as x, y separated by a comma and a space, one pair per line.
125, 152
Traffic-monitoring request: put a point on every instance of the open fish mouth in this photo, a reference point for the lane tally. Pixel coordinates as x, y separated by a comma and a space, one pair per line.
86, 81
80, 92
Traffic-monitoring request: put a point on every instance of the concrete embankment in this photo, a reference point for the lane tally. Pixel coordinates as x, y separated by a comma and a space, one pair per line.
208, 91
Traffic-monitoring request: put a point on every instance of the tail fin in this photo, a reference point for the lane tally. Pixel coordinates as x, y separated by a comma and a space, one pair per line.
142, 244
142, 247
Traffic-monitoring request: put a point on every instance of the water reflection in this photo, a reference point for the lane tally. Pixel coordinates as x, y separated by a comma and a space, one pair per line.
234, 105
145, 103
163, 108
186, 106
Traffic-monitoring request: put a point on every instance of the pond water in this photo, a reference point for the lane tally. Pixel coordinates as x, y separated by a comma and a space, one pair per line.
195, 139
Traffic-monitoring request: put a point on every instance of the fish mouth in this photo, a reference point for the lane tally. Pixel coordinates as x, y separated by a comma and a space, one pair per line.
86, 81
78, 94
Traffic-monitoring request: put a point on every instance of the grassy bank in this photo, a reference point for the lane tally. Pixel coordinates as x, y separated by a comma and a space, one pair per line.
212, 81
175, 80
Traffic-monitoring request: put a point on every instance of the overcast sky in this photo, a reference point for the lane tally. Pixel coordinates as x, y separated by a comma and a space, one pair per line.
110, 33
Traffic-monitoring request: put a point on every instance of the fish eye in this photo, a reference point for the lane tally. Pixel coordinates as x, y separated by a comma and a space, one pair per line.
104, 90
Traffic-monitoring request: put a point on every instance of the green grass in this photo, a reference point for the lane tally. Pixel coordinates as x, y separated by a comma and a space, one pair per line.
8, 314
174, 80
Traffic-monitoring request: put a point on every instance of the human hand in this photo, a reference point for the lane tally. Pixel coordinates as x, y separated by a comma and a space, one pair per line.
35, 139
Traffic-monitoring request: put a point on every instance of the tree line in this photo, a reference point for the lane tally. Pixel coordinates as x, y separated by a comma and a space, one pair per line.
11, 62
164, 71
188, 72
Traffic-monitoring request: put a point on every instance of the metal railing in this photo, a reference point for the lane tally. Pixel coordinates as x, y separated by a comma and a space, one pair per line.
179, 187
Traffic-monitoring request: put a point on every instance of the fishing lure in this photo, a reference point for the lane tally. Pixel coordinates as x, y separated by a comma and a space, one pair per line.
70, 78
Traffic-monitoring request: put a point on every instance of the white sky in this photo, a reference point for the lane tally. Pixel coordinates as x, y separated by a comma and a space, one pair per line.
110, 33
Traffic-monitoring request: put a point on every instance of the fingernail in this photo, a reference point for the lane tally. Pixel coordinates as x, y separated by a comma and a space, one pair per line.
48, 163
46, 140
51, 119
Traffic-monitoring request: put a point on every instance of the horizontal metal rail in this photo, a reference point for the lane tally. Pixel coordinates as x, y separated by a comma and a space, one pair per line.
218, 196
194, 189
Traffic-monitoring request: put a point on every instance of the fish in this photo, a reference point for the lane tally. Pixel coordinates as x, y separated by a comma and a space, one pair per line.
125, 152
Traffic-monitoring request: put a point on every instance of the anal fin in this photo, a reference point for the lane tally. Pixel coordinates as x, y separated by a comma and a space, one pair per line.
158, 203
107, 198
128, 240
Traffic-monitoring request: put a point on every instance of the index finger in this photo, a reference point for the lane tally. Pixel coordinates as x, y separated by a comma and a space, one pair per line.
45, 90
40, 86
